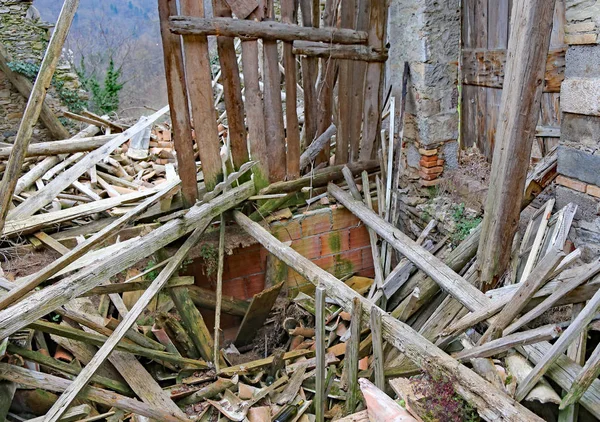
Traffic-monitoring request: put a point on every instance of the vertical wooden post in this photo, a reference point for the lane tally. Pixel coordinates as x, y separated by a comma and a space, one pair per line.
309, 67
575, 352
378, 359
178, 102
374, 80
351, 361
232, 90
320, 353
34, 106
274, 133
531, 24
199, 83
289, 10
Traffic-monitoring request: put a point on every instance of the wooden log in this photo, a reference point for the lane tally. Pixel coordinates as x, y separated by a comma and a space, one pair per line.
178, 103
571, 280
257, 314
526, 290
29, 178
255, 114
107, 398
232, 90
249, 367
289, 13
267, 30
34, 106
361, 53
208, 392
351, 358
34, 280
560, 346
24, 86
584, 379
57, 365
204, 298
274, 132
65, 146
448, 280
491, 348
316, 146
373, 93
320, 177
490, 402
50, 298
378, 358
528, 47
310, 70
199, 83
44, 196
320, 398
217, 357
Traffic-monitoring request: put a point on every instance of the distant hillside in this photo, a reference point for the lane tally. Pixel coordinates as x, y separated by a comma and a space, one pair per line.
129, 32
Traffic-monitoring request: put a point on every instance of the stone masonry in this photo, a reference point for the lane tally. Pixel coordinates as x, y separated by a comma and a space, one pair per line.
426, 33
25, 37
579, 148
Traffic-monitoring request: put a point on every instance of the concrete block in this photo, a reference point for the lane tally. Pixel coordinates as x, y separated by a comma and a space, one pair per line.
412, 156
583, 61
580, 130
450, 154
587, 206
579, 165
581, 96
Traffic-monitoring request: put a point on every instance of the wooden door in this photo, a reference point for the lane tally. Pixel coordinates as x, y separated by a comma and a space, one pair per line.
485, 31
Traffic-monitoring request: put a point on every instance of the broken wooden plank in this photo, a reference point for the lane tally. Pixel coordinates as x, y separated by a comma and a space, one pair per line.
50, 298
361, 53
34, 106
315, 147
43, 197
377, 340
65, 146
205, 298
351, 358
320, 398
490, 402
229, 27
257, 314
581, 383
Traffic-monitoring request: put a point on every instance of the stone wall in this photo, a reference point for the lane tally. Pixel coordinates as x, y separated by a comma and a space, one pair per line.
426, 33
579, 148
25, 38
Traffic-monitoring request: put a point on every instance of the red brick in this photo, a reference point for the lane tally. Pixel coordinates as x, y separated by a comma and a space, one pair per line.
342, 218
428, 152
571, 183
433, 170
429, 158
366, 272
308, 247
359, 237
428, 177
325, 263
440, 162
593, 190
316, 224
243, 263
235, 288
335, 242
429, 164
288, 230
255, 284
428, 183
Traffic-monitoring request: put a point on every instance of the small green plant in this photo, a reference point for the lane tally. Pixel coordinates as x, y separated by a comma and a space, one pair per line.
464, 223
105, 95
210, 255
152, 274
441, 402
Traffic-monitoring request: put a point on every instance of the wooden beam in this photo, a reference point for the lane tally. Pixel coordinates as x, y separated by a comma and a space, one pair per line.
178, 102
205, 298
320, 398
199, 83
528, 47
46, 300
44, 196
107, 398
257, 314
378, 357
309, 155
490, 402
361, 53
228, 27
351, 358
24, 86
34, 106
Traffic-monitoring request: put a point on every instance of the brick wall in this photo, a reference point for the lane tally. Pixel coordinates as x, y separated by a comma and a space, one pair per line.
333, 238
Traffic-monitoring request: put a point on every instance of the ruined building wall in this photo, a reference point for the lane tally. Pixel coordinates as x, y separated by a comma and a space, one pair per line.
579, 148
25, 37
426, 33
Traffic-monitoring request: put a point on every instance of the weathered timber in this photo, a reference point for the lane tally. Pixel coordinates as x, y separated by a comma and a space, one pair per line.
208, 392
319, 400
363, 53
257, 313
526, 290
199, 84
351, 358
316, 146
560, 346
48, 271
528, 46
216, 355
249, 367
581, 383
320, 177
377, 340
50, 298
484, 67
34, 106
310, 70
107, 398
65, 146
204, 298
490, 402
267, 30
44, 196
491, 348
178, 102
